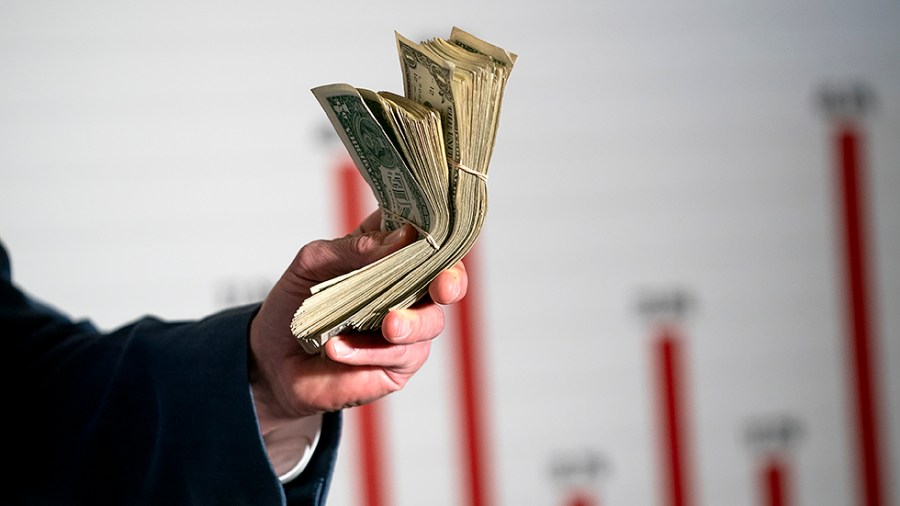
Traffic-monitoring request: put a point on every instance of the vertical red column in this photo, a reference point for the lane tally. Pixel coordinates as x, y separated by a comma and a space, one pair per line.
350, 186
860, 341
582, 500
669, 364
470, 385
774, 482
368, 417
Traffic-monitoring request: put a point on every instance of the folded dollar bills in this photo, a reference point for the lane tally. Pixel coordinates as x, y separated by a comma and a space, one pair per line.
425, 156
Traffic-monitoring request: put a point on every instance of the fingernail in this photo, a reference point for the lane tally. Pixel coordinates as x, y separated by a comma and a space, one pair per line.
402, 328
342, 349
395, 236
457, 287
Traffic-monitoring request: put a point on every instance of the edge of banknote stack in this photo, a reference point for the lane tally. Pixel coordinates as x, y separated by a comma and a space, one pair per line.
425, 155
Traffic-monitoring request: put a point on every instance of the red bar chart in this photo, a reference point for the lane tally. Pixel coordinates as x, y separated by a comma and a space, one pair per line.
368, 418
852, 199
846, 107
470, 385
774, 481
669, 369
581, 499
774, 443
690, 291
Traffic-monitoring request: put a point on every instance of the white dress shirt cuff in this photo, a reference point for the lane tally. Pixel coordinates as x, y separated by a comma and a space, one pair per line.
291, 446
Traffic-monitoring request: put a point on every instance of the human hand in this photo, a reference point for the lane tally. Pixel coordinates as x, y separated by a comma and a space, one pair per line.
356, 368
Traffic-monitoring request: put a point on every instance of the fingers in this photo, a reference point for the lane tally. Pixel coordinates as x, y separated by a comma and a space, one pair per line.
403, 345
322, 260
418, 323
450, 286
372, 223
406, 333
370, 350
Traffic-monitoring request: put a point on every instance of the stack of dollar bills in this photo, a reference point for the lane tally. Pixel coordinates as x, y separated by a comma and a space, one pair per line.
425, 156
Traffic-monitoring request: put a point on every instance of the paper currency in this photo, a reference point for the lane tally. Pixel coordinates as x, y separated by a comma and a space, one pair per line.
425, 156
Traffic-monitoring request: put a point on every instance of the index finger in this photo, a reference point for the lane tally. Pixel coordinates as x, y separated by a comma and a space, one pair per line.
450, 286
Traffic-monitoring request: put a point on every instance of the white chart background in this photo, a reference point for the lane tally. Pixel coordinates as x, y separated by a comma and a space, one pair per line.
168, 158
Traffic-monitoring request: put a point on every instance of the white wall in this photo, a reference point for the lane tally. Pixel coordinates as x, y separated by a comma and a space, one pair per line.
169, 159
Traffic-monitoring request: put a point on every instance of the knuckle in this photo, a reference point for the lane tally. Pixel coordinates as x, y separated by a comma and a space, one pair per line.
362, 243
439, 319
401, 355
395, 385
311, 255
417, 355
433, 322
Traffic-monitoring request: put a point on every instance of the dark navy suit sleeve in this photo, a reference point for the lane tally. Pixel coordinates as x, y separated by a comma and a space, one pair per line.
153, 413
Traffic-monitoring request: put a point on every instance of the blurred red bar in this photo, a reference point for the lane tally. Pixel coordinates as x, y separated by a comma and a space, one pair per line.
350, 186
368, 417
470, 385
582, 499
773, 481
672, 419
851, 194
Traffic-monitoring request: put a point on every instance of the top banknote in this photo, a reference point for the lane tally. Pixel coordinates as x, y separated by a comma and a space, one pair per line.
425, 155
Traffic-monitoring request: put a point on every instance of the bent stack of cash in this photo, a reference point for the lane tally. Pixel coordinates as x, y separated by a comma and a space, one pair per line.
425, 156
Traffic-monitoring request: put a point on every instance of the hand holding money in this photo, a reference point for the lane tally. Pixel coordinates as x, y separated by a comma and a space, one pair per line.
362, 366
425, 156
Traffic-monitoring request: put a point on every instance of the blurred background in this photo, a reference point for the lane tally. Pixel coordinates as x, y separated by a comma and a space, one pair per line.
687, 290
